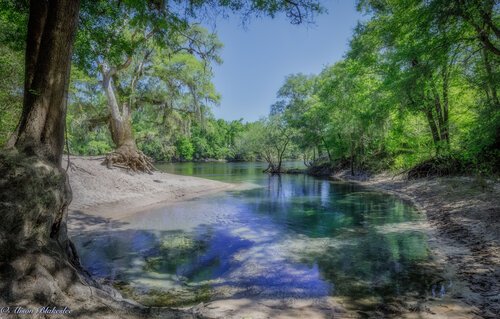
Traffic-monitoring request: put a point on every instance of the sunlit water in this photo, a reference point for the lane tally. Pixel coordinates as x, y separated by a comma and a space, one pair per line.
293, 236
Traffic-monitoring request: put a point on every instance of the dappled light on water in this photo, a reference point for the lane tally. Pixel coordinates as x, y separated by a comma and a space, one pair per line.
294, 237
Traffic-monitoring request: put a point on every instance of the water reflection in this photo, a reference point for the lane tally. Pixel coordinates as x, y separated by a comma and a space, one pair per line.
295, 236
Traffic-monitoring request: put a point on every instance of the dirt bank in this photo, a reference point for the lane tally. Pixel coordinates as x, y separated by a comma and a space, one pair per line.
465, 214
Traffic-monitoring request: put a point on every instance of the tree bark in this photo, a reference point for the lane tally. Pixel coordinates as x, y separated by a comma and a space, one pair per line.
51, 30
121, 120
433, 127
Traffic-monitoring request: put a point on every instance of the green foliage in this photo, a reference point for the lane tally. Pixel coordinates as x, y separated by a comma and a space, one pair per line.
11, 83
174, 88
185, 149
154, 148
97, 148
87, 117
13, 22
419, 85
269, 139
417, 88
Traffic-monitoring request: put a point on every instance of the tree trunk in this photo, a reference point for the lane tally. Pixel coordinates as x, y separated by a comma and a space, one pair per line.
441, 126
327, 149
51, 31
490, 83
434, 129
34, 189
352, 157
126, 154
491, 93
446, 106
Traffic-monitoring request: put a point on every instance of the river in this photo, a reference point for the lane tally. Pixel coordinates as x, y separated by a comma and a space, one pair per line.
290, 236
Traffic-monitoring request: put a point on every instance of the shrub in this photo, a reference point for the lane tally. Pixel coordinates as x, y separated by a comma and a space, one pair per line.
185, 149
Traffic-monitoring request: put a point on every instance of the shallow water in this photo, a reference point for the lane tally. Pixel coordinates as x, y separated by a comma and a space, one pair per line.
293, 236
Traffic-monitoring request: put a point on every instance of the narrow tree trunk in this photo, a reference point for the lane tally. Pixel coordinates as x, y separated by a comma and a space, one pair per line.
443, 134
490, 83
434, 129
121, 119
352, 158
446, 106
126, 154
281, 154
327, 149
491, 92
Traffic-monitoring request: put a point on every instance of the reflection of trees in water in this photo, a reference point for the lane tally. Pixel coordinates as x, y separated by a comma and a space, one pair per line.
275, 187
325, 209
370, 263
375, 264
367, 263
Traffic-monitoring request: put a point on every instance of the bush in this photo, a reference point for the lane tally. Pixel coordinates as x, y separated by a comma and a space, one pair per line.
185, 149
156, 149
97, 148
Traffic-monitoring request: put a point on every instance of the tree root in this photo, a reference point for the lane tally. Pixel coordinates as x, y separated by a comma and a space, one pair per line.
273, 170
134, 160
438, 166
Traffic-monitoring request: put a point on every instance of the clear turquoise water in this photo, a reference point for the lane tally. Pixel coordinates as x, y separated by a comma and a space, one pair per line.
292, 236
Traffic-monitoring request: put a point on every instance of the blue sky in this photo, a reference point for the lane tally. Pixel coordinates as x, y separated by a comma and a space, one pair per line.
258, 57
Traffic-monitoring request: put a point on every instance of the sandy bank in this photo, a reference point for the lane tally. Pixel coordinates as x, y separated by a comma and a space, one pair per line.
116, 193
465, 215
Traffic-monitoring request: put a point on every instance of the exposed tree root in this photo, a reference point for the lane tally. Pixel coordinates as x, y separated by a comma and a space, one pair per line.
130, 158
435, 167
324, 167
273, 169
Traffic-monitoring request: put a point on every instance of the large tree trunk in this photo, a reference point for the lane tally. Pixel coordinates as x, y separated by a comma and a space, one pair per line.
51, 31
126, 155
34, 189
40, 134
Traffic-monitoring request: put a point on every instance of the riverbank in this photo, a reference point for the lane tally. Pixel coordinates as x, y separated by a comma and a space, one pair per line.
116, 193
465, 215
